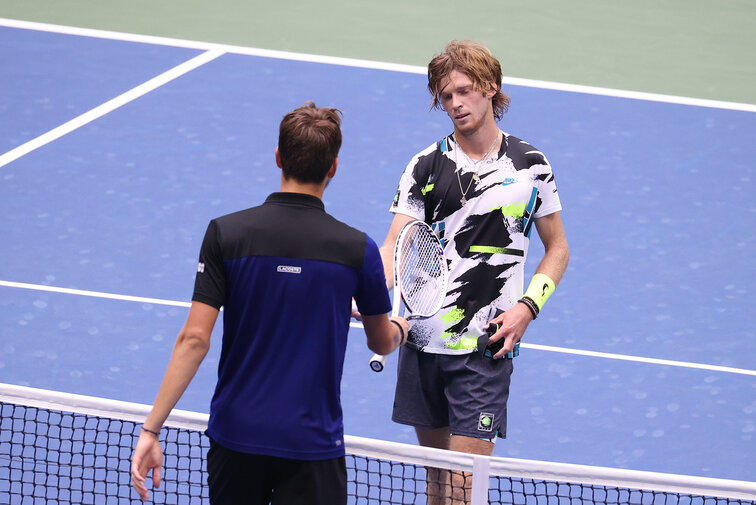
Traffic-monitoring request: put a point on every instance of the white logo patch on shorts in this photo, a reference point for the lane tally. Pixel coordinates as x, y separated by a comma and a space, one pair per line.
485, 422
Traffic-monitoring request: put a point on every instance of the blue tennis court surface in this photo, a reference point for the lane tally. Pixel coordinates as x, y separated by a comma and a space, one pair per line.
658, 209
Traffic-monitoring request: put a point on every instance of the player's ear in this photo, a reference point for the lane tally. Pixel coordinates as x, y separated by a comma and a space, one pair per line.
332, 170
492, 91
278, 158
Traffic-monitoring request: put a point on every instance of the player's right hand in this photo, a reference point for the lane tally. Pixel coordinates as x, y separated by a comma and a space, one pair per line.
147, 456
404, 324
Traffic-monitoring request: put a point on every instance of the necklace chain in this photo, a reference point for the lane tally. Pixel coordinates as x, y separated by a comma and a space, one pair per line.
476, 165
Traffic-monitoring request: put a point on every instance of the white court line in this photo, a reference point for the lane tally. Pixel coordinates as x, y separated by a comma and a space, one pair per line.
564, 350
351, 62
653, 361
215, 50
95, 294
109, 106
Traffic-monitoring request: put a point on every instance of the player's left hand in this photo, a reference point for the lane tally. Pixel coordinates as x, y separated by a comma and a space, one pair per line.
512, 325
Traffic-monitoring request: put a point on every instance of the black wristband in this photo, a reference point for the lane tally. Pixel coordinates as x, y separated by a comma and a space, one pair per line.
531, 305
401, 332
156, 433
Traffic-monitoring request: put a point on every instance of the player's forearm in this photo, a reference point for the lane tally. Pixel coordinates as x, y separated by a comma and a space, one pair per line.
552, 266
387, 257
555, 260
387, 249
557, 253
385, 334
187, 356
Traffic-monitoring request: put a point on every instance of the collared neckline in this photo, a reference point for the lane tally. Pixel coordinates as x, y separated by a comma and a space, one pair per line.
300, 199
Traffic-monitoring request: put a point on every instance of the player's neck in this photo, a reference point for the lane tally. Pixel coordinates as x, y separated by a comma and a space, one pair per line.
293, 186
477, 143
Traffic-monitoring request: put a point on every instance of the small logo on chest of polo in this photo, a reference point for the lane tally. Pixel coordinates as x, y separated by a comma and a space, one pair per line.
286, 269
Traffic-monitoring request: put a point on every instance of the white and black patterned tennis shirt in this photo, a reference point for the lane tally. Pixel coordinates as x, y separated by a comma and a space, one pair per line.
485, 241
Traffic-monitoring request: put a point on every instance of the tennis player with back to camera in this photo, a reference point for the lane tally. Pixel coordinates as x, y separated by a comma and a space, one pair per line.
482, 191
285, 274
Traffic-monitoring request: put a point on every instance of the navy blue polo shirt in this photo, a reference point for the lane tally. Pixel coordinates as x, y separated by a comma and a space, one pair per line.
285, 274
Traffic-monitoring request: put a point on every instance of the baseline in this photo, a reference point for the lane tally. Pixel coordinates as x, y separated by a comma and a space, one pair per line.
394, 67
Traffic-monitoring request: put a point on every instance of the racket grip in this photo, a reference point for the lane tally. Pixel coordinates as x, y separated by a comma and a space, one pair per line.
377, 362
492, 349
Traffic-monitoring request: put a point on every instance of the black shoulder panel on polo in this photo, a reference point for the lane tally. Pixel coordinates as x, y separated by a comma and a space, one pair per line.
291, 225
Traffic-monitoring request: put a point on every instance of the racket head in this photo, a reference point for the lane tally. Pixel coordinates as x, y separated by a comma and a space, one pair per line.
420, 273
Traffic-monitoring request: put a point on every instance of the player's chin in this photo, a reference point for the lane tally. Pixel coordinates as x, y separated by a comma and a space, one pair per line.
465, 126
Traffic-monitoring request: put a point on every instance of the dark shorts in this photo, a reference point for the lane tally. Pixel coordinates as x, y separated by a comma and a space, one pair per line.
254, 479
468, 393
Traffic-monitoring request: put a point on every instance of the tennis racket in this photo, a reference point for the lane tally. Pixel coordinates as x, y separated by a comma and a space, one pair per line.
420, 276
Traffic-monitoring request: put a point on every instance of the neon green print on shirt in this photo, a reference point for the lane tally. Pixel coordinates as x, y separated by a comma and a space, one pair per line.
427, 189
516, 210
451, 318
454, 316
465, 343
488, 249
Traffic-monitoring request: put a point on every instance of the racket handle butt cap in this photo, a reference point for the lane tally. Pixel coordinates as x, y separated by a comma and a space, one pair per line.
376, 364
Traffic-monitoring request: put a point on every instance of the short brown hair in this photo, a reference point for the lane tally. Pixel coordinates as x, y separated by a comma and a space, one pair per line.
474, 60
309, 140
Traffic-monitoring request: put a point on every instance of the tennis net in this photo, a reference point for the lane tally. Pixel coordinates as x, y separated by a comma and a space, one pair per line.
63, 448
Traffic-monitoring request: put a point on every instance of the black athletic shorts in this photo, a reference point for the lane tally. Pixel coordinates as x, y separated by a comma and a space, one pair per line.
466, 392
236, 478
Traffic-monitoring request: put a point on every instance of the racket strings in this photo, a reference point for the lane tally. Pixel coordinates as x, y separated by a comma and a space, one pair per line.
422, 272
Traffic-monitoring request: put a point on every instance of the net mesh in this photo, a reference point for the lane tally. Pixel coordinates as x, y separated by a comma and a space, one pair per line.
531, 491
422, 270
49, 456
56, 455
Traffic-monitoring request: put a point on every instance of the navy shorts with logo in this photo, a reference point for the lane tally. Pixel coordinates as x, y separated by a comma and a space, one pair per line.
467, 392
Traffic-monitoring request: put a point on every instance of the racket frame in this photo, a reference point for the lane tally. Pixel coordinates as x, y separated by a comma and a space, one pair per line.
377, 362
